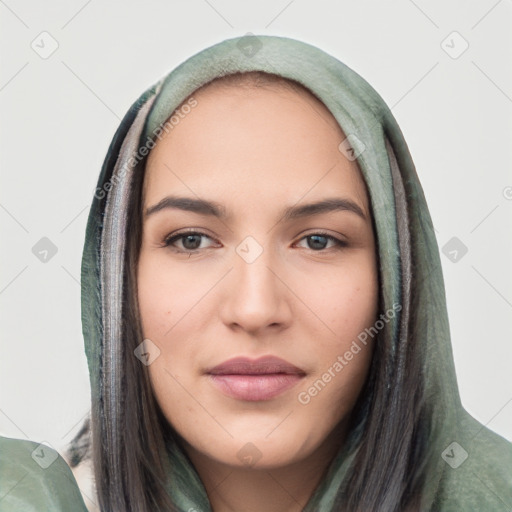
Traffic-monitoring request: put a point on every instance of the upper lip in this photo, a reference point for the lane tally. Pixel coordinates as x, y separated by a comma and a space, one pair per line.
247, 366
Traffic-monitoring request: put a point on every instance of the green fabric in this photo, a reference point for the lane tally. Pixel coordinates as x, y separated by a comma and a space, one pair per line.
35, 478
483, 481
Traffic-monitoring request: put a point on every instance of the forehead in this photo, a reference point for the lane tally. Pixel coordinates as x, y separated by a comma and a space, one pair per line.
253, 141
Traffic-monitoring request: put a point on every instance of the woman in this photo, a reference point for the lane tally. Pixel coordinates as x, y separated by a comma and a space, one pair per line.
263, 304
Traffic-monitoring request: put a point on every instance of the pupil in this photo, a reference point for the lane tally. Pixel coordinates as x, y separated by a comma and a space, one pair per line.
190, 238
319, 241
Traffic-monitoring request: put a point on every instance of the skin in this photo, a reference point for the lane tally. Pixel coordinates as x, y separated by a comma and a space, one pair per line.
256, 151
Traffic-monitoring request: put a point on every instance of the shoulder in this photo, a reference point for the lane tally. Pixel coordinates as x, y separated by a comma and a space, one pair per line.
478, 470
34, 477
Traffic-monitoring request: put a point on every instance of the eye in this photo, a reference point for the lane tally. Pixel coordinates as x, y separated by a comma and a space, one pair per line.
190, 241
318, 241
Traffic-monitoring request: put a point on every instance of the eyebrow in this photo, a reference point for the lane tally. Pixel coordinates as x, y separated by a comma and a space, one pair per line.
204, 207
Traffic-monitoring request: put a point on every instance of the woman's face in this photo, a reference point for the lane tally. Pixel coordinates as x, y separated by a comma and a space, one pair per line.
264, 274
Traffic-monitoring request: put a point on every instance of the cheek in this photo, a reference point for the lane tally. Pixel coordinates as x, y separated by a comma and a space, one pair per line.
345, 301
169, 312
160, 311
164, 296
155, 304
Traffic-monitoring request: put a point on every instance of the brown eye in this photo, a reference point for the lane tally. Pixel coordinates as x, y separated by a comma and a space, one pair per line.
190, 241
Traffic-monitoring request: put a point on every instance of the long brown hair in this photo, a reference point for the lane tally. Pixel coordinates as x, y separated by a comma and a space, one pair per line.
388, 471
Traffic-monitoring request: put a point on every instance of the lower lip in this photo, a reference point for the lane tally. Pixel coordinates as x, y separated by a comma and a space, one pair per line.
255, 387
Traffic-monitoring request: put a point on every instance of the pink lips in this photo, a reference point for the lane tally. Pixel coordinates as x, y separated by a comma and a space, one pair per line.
255, 379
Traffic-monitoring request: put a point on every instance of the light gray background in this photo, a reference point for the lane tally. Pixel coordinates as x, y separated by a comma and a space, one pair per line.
58, 116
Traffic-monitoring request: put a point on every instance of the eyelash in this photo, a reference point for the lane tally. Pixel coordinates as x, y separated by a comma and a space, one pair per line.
339, 244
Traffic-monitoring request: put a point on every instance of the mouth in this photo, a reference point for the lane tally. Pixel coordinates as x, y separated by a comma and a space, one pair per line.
255, 380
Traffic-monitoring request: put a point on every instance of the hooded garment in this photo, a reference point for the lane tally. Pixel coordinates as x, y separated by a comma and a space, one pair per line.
469, 466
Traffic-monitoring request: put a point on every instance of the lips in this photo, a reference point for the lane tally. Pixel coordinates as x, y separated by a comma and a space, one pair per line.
255, 379
263, 365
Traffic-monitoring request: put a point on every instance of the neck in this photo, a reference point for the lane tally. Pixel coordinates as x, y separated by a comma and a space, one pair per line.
276, 489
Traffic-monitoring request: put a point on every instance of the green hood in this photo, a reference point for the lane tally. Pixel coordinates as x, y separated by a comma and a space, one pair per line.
410, 269
467, 466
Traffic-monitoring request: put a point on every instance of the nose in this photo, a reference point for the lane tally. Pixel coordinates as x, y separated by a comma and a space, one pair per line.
255, 298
